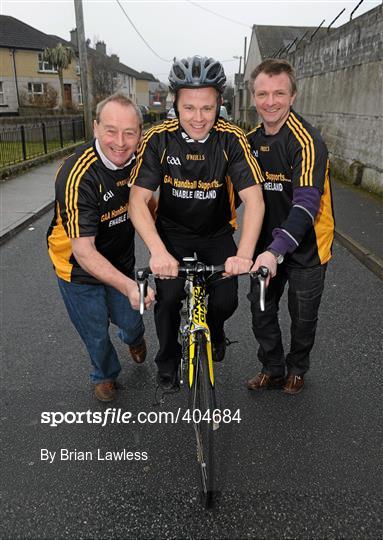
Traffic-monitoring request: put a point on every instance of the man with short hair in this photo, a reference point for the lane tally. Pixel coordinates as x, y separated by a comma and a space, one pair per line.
199, 162
91, 241
298, 230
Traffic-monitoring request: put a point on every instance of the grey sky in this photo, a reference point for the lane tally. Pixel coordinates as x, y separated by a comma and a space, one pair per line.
176, 28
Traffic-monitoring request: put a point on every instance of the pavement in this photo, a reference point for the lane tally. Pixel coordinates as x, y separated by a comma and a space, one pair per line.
358, 214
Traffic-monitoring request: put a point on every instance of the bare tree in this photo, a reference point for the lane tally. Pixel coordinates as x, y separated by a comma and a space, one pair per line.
103, 77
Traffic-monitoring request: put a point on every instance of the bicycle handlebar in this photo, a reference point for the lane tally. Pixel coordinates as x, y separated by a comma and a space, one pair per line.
142, 275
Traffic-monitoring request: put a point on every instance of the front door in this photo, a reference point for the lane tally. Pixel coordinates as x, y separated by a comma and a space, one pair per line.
68, 94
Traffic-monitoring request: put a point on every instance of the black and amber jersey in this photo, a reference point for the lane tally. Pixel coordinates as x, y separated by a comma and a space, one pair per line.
293, 161
91, 200
198, 180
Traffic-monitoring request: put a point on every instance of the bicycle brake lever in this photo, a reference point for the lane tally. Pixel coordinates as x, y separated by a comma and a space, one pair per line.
142, 281
143, 289
262, 275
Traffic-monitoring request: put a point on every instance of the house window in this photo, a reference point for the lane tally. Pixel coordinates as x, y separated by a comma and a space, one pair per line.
2, 100
77, 66
46, 66
37, 89
79, 94
115, 81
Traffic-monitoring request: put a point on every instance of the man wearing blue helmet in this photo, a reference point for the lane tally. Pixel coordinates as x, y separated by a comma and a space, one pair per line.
200, 163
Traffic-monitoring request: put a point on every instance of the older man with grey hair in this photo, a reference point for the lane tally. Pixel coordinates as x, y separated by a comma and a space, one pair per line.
91, 241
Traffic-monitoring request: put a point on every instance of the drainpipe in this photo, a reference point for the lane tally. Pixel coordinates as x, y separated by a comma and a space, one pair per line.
15, 75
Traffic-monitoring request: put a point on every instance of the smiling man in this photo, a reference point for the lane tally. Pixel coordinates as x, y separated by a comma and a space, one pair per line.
298, 229
91, 241
199, 162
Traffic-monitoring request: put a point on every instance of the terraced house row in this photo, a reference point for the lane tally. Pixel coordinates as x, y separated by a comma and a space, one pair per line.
29, 82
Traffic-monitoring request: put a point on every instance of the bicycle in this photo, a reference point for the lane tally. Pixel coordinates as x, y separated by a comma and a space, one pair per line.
196, 366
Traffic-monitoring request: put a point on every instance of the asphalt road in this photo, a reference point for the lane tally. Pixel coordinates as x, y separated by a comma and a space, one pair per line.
308, 466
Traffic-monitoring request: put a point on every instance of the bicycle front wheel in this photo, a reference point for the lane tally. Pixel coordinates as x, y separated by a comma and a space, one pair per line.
203, 407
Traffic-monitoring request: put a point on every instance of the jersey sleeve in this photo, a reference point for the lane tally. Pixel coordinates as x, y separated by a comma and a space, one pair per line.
78, 202
243, 168
309, 158
147, 172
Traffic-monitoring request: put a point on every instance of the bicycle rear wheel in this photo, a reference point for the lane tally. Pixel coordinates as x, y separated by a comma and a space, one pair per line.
203, 401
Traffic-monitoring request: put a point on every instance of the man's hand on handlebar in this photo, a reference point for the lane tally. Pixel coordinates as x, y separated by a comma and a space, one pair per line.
266, 259
134, 297
237, 265
163, 264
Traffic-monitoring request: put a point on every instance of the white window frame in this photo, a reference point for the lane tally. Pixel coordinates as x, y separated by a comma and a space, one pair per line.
44, 65
2, 96
77, 66
79, 94
34, 92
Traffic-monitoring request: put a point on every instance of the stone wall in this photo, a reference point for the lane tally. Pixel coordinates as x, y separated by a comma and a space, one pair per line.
340, 90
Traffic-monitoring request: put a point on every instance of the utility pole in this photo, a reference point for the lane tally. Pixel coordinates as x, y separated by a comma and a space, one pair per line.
245, 55
86, 94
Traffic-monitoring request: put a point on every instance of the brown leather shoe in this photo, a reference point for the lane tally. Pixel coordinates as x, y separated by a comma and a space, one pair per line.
138, 352
261, 380
293, 384
105, 391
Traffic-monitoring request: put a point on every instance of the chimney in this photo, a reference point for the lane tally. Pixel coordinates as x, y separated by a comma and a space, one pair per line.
73, 37
101, 47
115, 58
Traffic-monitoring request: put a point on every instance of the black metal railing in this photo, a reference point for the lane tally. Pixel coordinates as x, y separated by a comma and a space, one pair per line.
23, 142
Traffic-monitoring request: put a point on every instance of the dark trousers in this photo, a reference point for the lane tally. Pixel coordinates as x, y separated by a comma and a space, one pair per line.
223, 297
304, 296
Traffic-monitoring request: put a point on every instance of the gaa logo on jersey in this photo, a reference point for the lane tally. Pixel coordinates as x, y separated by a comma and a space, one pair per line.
108, 195
173, 160
255, 153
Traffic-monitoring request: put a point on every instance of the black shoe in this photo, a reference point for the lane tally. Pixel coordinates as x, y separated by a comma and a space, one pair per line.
168, 381
218, 350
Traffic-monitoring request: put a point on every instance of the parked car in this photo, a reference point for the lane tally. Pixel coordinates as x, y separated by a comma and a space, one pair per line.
171, 114
144, 109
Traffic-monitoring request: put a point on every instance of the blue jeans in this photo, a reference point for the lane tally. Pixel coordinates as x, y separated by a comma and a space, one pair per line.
91, 308
304, 296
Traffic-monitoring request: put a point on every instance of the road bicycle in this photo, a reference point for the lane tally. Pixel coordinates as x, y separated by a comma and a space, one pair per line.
196, 370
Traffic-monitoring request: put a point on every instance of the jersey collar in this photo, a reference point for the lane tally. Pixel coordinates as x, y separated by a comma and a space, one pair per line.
262, 127
187, 139
108, 164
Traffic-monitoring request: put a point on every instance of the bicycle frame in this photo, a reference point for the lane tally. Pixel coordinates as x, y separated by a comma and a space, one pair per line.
197, 314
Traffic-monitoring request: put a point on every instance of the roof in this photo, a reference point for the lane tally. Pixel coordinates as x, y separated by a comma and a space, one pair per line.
272, 39
112, 64
16, 34
144, 75
122, 68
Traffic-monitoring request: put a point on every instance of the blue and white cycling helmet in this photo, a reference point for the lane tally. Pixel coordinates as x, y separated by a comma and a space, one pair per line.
197, 72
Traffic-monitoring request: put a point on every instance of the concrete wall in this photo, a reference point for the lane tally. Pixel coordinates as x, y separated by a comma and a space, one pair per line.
340, 82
